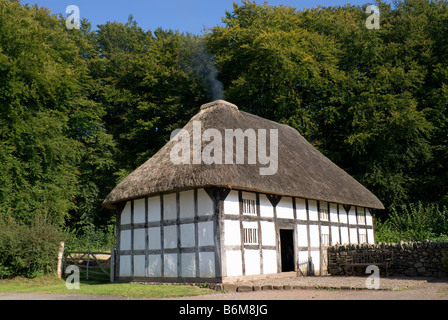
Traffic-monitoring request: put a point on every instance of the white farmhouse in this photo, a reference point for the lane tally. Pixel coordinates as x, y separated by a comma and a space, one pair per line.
214, 220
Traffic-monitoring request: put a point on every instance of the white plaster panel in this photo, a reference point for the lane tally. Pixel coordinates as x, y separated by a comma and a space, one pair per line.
125, 265
342, 214
266, 208
154, 265
344, 235
269, 261
169, 206
301, 209
312, 209
234, 263
314, 235
252, 261
170, 237
353, 235
362, 235
335, 235
268, 233
284, 208
333, 212
170, 265
188, 265
323, 205
126, 213
352, 215
154, 209
302, 235
187, 235
139, 266
139, 239
315, 260
325, 230
206, 235
369, 219
370, 236
232, 232
303, 259
250, 224
186, 204
207, 264
205, 204
154, 238
125, 240
139, 211
231, 204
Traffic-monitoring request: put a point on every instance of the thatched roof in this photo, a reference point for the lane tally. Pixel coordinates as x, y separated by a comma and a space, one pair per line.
302, 170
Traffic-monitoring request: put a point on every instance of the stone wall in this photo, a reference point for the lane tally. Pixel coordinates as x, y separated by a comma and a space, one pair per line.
427, 259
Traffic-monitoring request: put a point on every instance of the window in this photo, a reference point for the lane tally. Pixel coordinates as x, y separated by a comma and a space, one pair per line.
249, 206
360, 217
250, 236
325, 239
362, 238
323, 213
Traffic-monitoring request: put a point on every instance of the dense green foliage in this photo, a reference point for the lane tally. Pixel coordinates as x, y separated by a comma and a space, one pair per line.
80, 109
414, 223
28, 250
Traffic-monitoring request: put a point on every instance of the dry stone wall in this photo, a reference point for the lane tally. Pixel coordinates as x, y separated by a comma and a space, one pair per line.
426, 259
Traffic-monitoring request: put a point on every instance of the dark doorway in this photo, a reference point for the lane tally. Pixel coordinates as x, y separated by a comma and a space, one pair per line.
287, 249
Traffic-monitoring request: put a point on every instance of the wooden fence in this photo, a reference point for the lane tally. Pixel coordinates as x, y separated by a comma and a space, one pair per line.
91, 265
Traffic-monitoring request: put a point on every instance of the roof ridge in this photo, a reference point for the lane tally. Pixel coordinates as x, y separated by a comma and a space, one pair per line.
218, 103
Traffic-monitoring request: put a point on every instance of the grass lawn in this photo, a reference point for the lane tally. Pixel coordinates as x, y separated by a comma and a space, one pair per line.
51, 284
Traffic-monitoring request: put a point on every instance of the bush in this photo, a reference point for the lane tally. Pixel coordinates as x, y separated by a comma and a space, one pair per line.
28, 251
90, 238
414, 223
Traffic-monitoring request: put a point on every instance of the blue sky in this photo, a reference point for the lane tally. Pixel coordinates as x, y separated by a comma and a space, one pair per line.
183, 15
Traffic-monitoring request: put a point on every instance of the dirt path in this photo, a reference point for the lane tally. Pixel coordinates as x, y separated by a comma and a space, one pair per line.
428, 292
298, 288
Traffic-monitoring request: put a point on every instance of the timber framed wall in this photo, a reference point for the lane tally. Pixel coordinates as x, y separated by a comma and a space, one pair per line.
212, 234
169, 237
316, 225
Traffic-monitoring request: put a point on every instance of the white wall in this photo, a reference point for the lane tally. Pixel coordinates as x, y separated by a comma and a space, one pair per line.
126, 214
284, 208
231, 203
169, 206
205, 204
186, 204
268, 233
301, 209
154, 209
234, 266
266, 208
312, 210
153, 267
269, 261
252, 261
139, 211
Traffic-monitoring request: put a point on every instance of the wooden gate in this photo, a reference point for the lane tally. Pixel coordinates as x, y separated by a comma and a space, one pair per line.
91, 265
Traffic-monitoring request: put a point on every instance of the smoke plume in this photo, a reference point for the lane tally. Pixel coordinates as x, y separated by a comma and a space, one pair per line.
197, 62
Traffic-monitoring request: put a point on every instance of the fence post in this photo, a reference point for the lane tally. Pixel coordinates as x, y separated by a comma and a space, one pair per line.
60, 258
112, 263
88, 262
